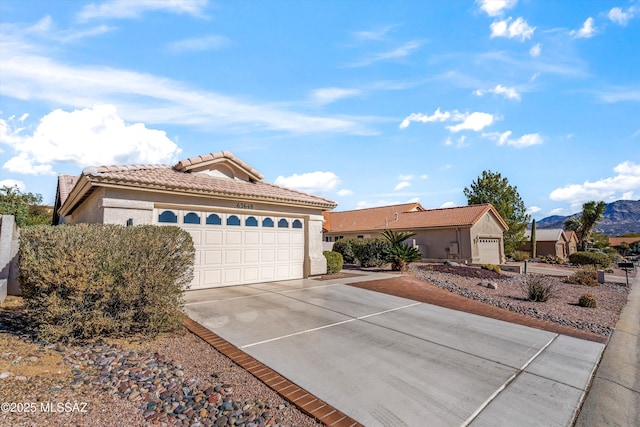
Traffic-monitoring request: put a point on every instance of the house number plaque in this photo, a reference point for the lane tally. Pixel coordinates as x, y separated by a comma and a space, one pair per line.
244, 206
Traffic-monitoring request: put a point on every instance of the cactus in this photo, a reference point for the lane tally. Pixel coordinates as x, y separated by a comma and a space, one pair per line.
587, 300
533, 239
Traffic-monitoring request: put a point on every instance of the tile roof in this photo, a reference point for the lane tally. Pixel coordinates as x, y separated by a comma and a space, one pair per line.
65, 185
179, 179
617, 241
206, 159
377, 219
548, 235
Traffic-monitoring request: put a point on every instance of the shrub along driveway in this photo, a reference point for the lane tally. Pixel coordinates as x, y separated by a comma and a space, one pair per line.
385, 360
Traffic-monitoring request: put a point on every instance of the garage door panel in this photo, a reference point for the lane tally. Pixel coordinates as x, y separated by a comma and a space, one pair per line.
251, 256
489, 250
212, 257
233, 237
233, 256
251, 237
213, 237
240, 254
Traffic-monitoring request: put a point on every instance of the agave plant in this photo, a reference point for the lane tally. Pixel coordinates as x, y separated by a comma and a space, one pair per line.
401, 255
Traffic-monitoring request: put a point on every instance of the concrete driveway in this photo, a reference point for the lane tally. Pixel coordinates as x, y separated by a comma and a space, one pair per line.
389, 361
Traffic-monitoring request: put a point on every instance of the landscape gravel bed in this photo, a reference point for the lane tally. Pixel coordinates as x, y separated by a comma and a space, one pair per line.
561, 308
177, 379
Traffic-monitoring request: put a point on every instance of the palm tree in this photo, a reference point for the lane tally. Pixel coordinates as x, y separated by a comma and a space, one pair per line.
399, 253
583, 224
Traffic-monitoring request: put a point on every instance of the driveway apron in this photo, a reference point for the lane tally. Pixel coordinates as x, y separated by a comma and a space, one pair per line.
390, 361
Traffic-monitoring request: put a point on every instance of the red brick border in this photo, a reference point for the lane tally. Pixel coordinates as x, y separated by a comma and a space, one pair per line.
297, 396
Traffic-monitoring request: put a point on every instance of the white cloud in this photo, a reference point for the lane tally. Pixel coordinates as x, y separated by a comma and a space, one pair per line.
328, 95
211, 42
535, 50
424, 176
146, 98
448, 205
620, 16
401, 185
557, 211
406, 177
124, 9
13, 183
625, 182
345, 192
400, 52
504, 138
376, 35
96, 136
311, 182
629, 195
586, 32
474, 121
533, 210
507, 92
496, 7
518, 29
437, 116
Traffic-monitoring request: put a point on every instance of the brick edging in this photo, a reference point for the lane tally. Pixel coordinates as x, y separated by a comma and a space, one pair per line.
297, 396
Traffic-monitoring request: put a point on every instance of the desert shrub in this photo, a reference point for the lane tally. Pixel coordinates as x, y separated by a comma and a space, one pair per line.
86, 281
520, 256
584, 276
590, 258
343, 247
492, 267
613, 255
587, 300
334, 261
370, 252
538, 288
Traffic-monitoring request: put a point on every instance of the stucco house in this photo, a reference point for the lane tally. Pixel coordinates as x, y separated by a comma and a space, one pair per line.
471, 234
245, 230
552, 241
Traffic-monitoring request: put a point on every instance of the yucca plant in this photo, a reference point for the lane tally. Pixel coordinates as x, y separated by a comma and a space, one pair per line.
400, 254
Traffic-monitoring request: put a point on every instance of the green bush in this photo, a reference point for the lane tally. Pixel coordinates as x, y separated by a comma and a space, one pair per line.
586, 276
492, 267
370, 252
520, 256
343, 247
334, 261
87, 281
590, 258
587, 300
537, 288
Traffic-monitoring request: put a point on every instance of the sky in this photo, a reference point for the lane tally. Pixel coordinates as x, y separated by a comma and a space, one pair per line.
366, 103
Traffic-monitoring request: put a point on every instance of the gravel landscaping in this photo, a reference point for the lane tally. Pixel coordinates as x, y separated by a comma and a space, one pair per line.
176, 379
561, 308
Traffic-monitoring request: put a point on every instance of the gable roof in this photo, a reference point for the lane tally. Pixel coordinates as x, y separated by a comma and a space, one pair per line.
237, 179
378, 219
548, 235
617, 241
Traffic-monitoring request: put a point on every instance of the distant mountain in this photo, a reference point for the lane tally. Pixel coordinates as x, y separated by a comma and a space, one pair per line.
620, 217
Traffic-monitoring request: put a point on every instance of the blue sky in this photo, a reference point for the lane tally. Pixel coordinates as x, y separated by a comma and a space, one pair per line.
363, 102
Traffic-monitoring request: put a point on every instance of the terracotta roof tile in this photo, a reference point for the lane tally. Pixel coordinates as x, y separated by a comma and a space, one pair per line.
617, 241
65, 185
166, 177
378, 219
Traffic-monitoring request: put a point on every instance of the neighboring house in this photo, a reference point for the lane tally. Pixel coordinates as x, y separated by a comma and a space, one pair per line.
244, 229
552, 241
633, 242
471, 234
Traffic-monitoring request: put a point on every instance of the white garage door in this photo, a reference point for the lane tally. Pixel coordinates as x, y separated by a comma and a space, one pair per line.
235, 249
489, 250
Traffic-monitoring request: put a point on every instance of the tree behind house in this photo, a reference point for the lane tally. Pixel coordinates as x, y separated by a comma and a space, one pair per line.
492, 188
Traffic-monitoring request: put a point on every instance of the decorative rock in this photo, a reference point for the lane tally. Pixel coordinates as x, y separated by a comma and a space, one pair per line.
5, 375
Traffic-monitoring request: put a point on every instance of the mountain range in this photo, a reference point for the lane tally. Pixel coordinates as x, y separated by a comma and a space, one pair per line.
620, 217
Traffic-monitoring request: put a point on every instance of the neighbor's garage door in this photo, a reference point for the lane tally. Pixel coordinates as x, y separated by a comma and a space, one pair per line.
489, 250
234, 249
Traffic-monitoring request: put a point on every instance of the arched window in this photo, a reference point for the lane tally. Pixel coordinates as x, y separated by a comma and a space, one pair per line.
168, 216
297, 223
233, 220
251, 222
192, 218
267, 222
283, 223
213, 219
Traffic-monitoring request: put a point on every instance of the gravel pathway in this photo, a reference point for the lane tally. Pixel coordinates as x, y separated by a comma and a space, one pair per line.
561, 308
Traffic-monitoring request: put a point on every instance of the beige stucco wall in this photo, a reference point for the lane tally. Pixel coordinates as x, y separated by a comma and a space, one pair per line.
487, 227
117, 205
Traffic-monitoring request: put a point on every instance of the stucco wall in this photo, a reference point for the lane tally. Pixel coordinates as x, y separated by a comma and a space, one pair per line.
487, 227
117, 205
